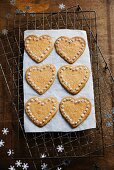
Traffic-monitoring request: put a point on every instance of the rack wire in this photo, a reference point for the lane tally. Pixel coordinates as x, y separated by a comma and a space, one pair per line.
76, 144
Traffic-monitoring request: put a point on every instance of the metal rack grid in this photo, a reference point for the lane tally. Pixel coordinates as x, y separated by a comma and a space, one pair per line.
76, 144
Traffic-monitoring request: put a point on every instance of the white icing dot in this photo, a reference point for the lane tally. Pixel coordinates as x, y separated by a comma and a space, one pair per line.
44, 52
76, 69
28, 107
79, 85
47, 49
46, 86
37, 88
32, 100
82, 115
63, 68
88, 106
85, 68
62, 107
28, 110
46, 117
54, 108
77, 89
42, 55
29, 38
53, 101
36, 99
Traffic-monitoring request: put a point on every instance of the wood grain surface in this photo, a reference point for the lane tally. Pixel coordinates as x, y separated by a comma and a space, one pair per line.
105, 29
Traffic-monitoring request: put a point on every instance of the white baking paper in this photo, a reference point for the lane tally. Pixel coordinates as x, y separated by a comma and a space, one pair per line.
58, 123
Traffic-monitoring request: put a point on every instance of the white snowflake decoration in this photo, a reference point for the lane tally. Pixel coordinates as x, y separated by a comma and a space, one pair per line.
10, 152
4, 31
59, 168
62, 6
11, 167
25, 166
33, 14
5, 131
1, 143
43, 155
44, 166
12, 2
18, 163
60, 148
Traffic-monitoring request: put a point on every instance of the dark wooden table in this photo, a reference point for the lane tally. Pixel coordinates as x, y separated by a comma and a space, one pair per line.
105, 29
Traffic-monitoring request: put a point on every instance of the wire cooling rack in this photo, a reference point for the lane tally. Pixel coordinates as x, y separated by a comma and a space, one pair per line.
76, 144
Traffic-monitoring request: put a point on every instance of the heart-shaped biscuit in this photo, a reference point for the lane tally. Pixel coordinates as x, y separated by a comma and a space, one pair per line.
70, 49
41, 77
41, 111
38, 48
73, 78
75, 111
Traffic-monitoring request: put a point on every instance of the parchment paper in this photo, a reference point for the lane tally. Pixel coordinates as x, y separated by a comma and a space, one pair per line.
58, 123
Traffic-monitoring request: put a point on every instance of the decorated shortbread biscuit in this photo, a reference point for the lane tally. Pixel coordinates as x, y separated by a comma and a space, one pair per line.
38, 48
75, 110
73, 78
70, 49
41, 78
41, 111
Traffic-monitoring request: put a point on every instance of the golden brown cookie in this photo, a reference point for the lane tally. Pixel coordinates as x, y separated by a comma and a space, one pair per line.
70, 49
38, 48
41, 78
73, 78
75, 110
41, 111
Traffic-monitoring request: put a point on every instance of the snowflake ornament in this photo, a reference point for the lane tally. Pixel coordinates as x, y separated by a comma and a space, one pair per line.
109, 124
108, 115
27, 8
4, 31
44, 166
61, 6
43, 155
25, 166
1, 143
10, 152
5, 131
12, 2
60, 148
32, 14
18, 163
11, 167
